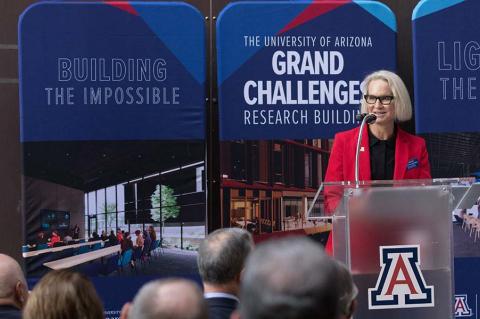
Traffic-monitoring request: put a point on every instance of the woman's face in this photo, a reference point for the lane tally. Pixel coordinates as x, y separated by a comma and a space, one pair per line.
385, 113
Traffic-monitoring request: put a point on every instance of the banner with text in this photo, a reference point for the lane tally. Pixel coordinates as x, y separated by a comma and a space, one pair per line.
293, 69
112, 99
122, 75
446, 62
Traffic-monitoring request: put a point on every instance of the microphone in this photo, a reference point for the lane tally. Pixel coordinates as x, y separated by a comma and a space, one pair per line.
365, 118
371, 118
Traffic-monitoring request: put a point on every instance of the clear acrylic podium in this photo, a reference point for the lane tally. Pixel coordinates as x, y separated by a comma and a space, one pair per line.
396, 237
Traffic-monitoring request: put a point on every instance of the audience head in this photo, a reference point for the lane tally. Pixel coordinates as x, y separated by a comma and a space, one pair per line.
167, 299
137, 232
289, 278
348, 292
222, 255
63, 294
13, 286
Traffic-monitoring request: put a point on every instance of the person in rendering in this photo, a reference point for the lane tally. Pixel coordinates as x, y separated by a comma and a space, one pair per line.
112, 239
94, 237
76, 232
290, 278
119, 235
153, 237
126, 243
41, 239
13, 288
139, 241
387, 152
147, 243
153, 234
167, 299
68, 239
348, 292
221, 259
54, 238
63, 294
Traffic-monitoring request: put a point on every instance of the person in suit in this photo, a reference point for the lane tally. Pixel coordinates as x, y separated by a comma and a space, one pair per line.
166, 299
386, 152
221, 258
13, 288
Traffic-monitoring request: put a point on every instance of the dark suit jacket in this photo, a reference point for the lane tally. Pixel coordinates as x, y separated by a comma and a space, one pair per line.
10, 312
221, 308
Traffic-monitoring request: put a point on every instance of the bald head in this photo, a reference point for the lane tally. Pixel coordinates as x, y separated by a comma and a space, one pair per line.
13, 286
165, 299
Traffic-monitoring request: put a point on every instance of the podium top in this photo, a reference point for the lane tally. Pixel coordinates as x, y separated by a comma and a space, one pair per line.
463, 181
333, 192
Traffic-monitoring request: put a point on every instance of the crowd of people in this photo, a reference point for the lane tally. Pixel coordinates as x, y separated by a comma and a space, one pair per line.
286, 278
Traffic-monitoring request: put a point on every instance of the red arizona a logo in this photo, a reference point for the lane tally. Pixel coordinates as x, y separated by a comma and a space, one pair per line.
461, 306
400, 283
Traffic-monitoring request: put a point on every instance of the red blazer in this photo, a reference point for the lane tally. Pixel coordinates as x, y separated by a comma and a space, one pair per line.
411, 160
411, 157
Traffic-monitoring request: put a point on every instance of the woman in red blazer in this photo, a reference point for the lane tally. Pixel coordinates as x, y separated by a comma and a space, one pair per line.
387, 152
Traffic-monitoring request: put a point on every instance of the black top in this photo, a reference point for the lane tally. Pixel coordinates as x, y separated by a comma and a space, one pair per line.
10, 312
382, 157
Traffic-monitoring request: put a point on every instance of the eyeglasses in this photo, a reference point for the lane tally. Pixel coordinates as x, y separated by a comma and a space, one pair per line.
372, 99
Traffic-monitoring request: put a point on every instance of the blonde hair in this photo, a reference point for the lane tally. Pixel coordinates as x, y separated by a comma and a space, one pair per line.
63, 294
403, 104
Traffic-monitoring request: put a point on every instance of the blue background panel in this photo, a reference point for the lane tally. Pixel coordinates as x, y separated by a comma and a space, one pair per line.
50, 32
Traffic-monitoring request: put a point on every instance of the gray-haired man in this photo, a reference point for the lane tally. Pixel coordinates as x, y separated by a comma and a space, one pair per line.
221, 259
291, 278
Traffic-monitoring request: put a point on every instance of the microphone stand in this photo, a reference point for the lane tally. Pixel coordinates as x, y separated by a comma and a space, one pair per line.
368, 118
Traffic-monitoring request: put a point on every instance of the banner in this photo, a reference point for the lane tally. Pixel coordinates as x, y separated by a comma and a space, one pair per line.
112, 98
289, 76
293, 69
446, 62
126, 67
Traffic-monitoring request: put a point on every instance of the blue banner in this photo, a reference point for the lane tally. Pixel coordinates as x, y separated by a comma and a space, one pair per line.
112, 98
293, 69
446, 63
466, 288
124, 75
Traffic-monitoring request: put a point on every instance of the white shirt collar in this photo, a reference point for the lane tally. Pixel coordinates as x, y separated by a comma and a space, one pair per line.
209, 295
